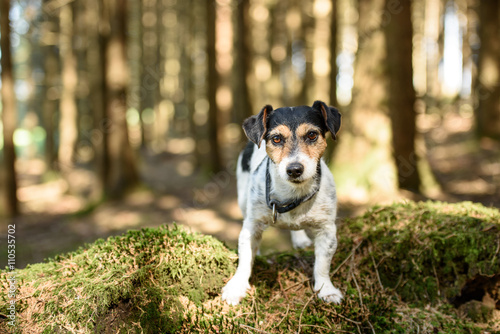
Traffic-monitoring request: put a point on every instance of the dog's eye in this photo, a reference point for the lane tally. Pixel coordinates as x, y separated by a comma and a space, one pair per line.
312, 135
276, 139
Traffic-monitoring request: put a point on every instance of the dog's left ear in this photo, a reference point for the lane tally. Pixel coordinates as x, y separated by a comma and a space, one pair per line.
331, 116
255, 127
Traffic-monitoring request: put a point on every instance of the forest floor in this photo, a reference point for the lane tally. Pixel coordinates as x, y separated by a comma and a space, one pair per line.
57, 220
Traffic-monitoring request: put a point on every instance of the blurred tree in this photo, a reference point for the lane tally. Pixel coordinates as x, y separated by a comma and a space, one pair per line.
243, 63
401, 101
97, 35
120, 164
434, 49
215, 163
487, 85
333, 54
149, 76
279, 53
363, 160
190, 54
9, 184
68, 128
333, 72
306, 38
51, 79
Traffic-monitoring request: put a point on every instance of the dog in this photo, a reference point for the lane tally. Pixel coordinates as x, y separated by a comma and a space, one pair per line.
283, 181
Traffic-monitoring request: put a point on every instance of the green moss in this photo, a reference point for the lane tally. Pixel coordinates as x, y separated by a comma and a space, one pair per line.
397, 267
150, 267
426, 251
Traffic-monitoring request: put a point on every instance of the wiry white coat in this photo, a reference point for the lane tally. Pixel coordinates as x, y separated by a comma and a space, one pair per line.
316, 215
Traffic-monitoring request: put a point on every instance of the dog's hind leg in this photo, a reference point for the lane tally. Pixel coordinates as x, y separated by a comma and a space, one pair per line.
300, 239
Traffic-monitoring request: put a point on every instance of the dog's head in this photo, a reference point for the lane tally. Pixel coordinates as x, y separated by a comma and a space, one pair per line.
295, 137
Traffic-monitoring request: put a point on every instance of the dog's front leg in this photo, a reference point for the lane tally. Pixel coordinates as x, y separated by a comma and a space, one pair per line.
325, 245
248, 245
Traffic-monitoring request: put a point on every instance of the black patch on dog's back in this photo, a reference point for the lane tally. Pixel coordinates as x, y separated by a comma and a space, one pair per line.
247, 156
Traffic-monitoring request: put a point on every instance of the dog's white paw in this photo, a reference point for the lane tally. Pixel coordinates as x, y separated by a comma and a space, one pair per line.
235, 290
300, 239
329, 293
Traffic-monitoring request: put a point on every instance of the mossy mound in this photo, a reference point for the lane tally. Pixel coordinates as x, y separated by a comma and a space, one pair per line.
400, 268
426, 252
130, 281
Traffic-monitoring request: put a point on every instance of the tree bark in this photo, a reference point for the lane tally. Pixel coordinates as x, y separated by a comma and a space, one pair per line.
95, 60
50, 91
401, 101
8, 114
150, 78
121, 170
487, 85
243, 62
330, 149
212, 85
363, 150
333, 54
68, 129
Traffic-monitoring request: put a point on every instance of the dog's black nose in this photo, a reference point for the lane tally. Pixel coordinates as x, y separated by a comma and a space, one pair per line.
295, 170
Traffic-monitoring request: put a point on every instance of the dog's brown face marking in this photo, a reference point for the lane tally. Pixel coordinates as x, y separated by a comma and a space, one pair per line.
307, 138
310, 141
280, 143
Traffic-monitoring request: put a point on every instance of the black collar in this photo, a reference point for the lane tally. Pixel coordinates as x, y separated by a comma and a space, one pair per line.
282, 207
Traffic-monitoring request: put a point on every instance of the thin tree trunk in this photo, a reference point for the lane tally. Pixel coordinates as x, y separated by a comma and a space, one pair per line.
306, 36
333, 54
191, 92
50, 92
487, 87
8, 114
333, 72
243, 64
212, 85
121, 165
401, 101
95, 60
433, 29
149, 75
68, 129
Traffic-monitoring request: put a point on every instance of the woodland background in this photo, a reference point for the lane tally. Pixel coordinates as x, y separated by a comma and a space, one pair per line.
120, 114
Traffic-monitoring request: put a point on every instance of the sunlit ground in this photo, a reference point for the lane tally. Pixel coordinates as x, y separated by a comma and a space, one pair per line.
59, 216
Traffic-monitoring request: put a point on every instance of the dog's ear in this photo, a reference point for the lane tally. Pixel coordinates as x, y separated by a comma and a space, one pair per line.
255, 127
331, 116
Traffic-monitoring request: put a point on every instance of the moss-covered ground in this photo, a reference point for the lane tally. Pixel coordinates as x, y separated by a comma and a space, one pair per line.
406, 268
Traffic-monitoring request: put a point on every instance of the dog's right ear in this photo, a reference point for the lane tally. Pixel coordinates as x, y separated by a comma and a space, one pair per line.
255, 127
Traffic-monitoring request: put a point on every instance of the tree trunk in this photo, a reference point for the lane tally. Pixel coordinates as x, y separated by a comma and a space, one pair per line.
308, 24
50, 91
333, 73
433, 36
95, 60
401, 101
333, 54
121, 170
243, 62
212, 85
8, 114
487, 86
363, 153
68, 129
150, 77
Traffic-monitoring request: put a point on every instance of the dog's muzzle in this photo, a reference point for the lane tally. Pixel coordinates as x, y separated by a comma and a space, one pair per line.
295, 170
